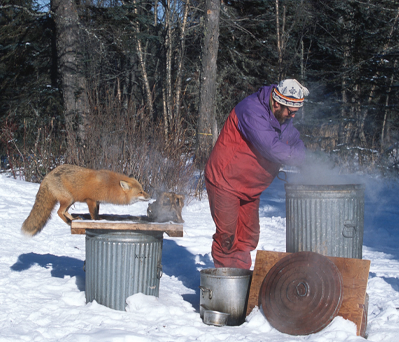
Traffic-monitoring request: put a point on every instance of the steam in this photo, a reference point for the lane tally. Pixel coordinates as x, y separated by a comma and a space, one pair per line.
319, 169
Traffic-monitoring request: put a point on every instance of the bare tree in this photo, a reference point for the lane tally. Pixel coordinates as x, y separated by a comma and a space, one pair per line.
280, 38
180, 61
169, 50
76, 104
385, 122
346, 129
140, 54
207, 127
174, 50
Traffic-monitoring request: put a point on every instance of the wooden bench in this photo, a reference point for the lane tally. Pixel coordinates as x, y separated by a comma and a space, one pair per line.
123, 222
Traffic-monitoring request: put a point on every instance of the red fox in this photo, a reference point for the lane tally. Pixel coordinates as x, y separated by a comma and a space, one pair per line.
68, 184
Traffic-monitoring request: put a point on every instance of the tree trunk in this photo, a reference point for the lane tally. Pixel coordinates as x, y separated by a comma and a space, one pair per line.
280, 39
180, 63
140, 55
386, 123
168, 49
346, 125
74, 87
207, 127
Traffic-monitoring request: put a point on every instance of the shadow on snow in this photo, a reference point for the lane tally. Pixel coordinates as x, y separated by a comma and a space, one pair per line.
177, 261
61, 266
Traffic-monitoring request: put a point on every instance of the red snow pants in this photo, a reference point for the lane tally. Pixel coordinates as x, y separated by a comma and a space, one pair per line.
237, 228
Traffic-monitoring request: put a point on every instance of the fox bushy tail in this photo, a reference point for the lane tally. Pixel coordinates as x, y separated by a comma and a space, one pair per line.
41, 211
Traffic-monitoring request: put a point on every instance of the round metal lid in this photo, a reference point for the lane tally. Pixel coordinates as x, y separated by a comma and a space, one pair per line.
302, 293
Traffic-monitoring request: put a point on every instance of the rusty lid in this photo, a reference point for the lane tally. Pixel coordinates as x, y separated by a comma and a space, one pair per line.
302, 293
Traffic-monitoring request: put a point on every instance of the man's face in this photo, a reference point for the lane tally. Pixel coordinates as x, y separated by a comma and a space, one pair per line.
283, 113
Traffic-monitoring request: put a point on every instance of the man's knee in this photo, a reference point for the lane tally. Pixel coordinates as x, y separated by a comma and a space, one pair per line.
225, 241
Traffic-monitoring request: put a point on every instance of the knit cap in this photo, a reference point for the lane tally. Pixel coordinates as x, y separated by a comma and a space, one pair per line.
290, 93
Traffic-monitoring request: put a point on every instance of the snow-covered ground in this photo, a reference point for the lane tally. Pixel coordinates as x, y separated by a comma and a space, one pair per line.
42, 282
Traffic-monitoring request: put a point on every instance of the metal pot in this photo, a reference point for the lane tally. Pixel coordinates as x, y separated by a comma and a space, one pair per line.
217, 318
225, 290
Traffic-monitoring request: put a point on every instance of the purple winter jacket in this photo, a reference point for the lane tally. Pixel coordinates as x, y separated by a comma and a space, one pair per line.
278, 143
251, 148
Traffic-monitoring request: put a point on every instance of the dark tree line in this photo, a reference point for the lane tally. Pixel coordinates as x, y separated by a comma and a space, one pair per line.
118, 83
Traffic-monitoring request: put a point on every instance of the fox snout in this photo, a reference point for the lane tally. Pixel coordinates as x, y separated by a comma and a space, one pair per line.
142, 196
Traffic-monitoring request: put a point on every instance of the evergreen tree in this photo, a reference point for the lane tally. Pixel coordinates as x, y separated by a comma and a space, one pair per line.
29, 90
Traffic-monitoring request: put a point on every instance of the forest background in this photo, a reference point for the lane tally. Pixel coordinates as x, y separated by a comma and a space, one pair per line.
143, 87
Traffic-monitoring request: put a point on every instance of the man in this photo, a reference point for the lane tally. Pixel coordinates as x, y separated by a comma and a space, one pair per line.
256, 139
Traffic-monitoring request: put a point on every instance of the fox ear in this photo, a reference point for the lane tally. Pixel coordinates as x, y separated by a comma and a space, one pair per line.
124, 185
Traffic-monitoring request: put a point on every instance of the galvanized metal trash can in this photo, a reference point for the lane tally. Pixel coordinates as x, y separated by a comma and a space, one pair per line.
120, 264
326, 219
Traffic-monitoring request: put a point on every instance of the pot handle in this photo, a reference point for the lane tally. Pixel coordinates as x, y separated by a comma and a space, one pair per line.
159, 272
284, 177
204, 289
349, 230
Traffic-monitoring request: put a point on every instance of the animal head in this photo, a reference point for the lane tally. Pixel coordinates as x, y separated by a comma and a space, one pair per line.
134, 190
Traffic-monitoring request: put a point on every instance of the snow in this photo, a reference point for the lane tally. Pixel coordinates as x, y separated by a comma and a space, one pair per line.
42, 281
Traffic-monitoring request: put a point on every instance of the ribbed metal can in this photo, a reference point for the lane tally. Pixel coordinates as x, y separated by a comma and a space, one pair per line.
326, 219
120, 264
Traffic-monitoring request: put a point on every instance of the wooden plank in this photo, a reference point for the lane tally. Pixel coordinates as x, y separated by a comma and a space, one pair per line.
354, 273
79, 226
263, 263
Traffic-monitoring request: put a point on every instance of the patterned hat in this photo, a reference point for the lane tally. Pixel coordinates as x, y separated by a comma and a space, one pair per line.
290, 93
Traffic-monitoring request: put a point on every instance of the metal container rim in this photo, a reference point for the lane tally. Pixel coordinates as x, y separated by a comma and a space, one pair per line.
210, 311
226, 272
126, 236
324, 187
